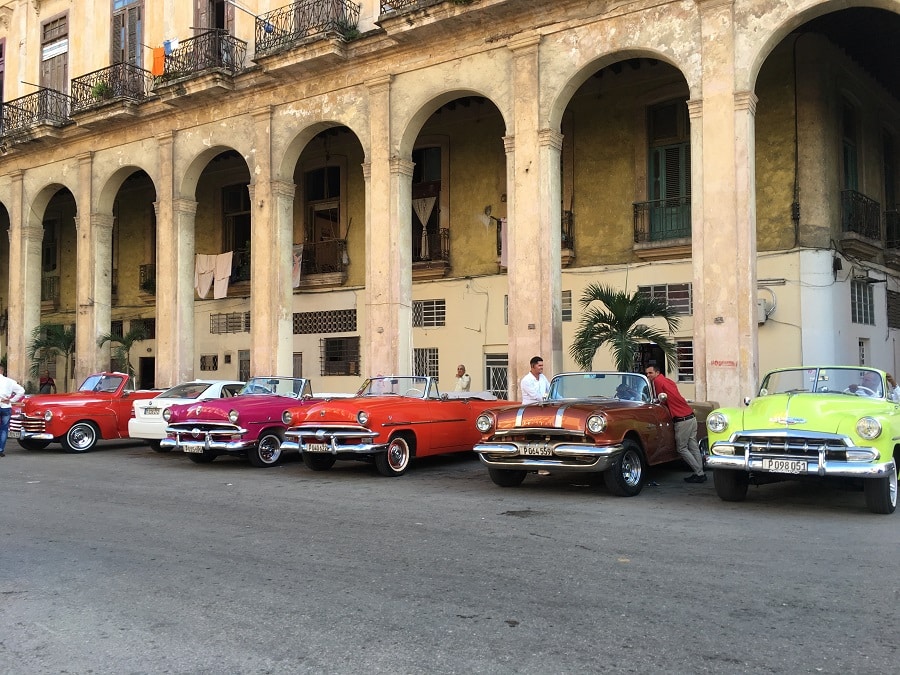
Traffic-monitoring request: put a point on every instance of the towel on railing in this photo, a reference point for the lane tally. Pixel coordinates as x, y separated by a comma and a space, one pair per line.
204, 274
223, 273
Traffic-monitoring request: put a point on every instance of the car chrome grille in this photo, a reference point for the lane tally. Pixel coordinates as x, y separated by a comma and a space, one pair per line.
33, 425
793, 445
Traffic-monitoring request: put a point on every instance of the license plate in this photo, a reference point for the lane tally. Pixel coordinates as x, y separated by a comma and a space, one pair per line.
151, 411
541, 449
317, 447
192, 448
784, 465
14, 434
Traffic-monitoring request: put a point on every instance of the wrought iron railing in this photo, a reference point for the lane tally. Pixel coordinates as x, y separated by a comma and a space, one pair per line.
860, 214
322, 257
431, 246
240, 265
49, 289
892, 228
45, 106
147, 278
403, 5
284, 27
662, 219
118, 81
214, 49
567, 241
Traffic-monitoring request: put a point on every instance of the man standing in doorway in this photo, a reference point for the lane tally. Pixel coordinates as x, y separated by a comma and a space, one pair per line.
10, 392
684, 420
535, 385
463, 379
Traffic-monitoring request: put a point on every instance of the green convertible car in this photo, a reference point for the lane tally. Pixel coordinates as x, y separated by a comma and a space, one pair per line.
815, 421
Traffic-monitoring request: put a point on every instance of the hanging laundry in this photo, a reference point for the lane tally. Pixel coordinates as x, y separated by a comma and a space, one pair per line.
504, 252
223, 274
204, 274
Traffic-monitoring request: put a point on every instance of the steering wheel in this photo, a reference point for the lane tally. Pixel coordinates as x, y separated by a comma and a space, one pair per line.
860, 391
413, 392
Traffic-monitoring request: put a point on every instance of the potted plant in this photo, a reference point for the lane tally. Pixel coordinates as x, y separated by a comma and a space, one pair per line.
102, 90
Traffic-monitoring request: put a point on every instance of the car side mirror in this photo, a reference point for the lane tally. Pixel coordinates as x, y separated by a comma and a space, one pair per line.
746, 400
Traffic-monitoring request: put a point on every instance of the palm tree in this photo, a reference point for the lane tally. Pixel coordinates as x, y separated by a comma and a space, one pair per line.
124, 344
49, 341
618, 324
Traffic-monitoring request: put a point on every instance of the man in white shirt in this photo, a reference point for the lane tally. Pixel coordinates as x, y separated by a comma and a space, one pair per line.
535, 385
463, 379
10, 392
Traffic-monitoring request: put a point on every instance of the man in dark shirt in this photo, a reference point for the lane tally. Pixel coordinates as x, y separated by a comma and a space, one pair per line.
684, 420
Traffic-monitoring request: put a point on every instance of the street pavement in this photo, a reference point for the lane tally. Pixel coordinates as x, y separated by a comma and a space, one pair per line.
124, 560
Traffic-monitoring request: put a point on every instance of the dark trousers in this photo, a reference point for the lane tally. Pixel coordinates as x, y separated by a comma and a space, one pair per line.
5, 414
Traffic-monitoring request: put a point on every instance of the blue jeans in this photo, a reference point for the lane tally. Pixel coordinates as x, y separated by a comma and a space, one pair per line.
5, 414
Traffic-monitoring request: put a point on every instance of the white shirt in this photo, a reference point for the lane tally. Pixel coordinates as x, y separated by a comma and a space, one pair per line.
463, 382
534, 389
10, 391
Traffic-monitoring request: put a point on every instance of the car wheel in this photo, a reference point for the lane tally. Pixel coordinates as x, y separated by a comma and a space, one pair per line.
156, 446
30, 444
625, 478
881, 493
82, 437
204, 457
267, 451
318, 462
731, 486
395, 460
506, 477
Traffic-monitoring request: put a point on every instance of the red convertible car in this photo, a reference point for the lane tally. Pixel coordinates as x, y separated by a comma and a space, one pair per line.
247, 425
391, 421
599, 422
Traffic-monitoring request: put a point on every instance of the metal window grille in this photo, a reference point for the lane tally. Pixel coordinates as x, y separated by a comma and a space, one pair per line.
862, 345
339, 356
209, 362
685, 351
893, 309
334, 321
496, 374
149, 326
243, 364
862, 303
567, 305
116, 329
425, 362
233, 322
429, 313
679, 298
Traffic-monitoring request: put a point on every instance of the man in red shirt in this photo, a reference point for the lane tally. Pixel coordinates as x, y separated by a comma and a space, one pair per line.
684, 420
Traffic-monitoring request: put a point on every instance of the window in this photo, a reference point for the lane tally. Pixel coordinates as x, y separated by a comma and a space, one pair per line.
429, 313
685, 352
331, 321
322, 250
426, 204
55, 54
297, 364
148, 325
212, 14
893, 309
669, 171
339, 356
890, 172
849, 142
50, 248
679, 298
209, 362
425, 362
496, 374
862, 303
236, 215
233, 322
567, 305
127, 29
863, 346
117, 329
243, 365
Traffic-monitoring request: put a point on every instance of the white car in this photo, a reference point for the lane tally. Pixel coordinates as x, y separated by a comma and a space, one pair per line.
146, 415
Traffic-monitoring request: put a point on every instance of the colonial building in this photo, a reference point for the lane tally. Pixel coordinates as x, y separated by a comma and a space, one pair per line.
338, 189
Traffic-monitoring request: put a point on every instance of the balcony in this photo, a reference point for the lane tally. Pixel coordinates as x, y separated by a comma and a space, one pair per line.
49, 293
430, 253
423, 20
567, 239
147, 282
892, 237
860, 224
324, 264
662, 228
303, 24
202, 67
35, 116
122, 83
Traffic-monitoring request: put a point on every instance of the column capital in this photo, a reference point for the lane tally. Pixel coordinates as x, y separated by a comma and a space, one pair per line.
509, 144
713, 4
84, 157
264, 113
380, 84
367, 171
402, 166
283, 188
32, 233
550, 138
524, 44
185, 206
745, 100
102, 220
695, 108
166, 138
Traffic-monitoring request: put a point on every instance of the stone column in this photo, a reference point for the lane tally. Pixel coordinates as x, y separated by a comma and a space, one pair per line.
533, 177
93, 293
723, 219
388, 336
25, 237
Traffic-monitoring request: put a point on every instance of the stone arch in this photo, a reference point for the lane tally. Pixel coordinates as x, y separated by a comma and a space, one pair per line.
37, 206
109, 186
283, 167
193, 167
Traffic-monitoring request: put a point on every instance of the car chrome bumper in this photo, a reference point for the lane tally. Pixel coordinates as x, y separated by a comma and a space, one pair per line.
178, 437
743, 460
22, 435
334, 440
566, 456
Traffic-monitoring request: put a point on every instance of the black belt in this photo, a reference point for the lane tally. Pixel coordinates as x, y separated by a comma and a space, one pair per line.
676, 420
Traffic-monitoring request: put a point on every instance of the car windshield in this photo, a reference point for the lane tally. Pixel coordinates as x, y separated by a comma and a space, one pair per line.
411, 387
851, 381
623, 386
295, 387
105, 383
186, 390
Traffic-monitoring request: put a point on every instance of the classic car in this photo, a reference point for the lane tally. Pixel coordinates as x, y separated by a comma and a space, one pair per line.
247, 425
813, 422
392, 420
146, 415
591, 423
100, 409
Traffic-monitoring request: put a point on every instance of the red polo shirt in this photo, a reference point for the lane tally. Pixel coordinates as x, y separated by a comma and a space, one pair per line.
676, 403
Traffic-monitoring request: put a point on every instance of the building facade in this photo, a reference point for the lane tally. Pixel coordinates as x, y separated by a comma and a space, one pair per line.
338, 189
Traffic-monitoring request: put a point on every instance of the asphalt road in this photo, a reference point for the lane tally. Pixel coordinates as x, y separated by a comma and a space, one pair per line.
128, 561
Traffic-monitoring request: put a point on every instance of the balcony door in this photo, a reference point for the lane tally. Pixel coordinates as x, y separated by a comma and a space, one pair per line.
669, 172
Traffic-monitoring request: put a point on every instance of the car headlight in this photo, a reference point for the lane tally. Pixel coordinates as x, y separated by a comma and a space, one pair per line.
362, 417
484, 423
596, 424
717, 422
167, 414
233, 416
868, 428
287, 418
48, 415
